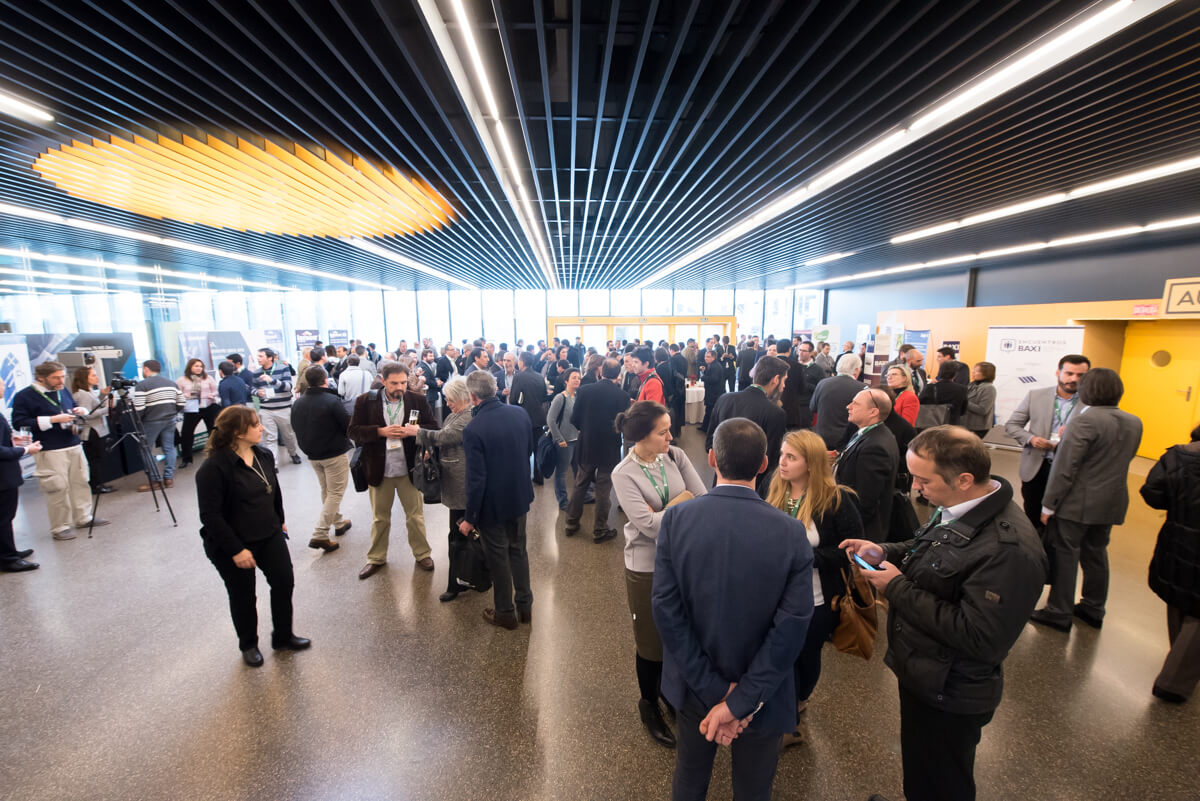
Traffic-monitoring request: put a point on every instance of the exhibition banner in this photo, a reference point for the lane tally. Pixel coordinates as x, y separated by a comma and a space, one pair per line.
339, 336
919, 340
194, 345
15, 371
306, 338
1026, 358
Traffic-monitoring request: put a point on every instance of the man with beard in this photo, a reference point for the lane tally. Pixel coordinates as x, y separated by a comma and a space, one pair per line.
760, 403
1037, 424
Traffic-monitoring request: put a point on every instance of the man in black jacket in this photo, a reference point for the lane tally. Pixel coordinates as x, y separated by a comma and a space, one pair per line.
529, 392
830, 400
759, 403
957, 601
320, 420
868, 463
714, 387
803, 376
599, 449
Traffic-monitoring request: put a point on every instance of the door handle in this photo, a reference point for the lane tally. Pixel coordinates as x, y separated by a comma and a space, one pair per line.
1187, 393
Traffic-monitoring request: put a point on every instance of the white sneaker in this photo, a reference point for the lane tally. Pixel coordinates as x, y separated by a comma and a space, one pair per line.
65, 534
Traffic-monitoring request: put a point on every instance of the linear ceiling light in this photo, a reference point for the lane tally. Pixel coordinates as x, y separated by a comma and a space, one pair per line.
1086, 31
1107, 185
828, 259
125, 233
1065, 241
391, 255
90, 279
155, 270
22, 109
33, 286
503, 156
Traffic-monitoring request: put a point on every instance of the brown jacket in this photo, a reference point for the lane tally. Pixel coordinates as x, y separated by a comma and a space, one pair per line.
368, 419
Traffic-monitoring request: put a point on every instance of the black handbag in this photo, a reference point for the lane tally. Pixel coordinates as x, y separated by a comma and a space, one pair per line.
904, 522
427, 475
358, 470
472, 565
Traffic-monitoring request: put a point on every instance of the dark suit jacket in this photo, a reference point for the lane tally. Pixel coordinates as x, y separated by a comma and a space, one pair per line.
680, 365
10, 459
732, 600
745, 362
497, 444
828, 403
368, 419
802, 380
752, 404
950, 392
869, 468
431, 388
714, 383
594, 414
529, 392
445, 368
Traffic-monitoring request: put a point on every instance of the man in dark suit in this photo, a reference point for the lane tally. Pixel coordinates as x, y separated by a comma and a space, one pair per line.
599, 448
679, 362
914, 358
1086, 495
446, 368
830, 399
380, 424
745, 361
714, 386
760, 404
803, 376
496, 444
962, 373
528, 391
732, 600
12, 560
868, 463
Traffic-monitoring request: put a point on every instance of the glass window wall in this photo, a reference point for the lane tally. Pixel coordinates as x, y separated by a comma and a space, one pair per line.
748, 306
433, 311
656, 302
564, 303
93, 314
718, 301
400, 318
625, 303
778, 313
593, 302
229, 312
806, 314
529, 308
366, 317
689, 302
466, 318
498, 313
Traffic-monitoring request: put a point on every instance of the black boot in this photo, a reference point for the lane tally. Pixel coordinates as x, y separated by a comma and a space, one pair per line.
652, 719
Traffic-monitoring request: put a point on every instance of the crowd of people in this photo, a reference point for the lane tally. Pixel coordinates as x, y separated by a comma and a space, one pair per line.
814, 469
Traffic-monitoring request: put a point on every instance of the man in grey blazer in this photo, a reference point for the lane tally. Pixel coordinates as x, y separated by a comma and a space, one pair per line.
1087, 495
1037, 424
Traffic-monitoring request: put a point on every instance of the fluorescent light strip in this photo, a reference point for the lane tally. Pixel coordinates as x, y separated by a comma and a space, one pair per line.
990, 84
125, 233
21, 109
105, 265
1107, 185
500, 156
829, 258
30, 287
89, 279
1066, 241
383, 253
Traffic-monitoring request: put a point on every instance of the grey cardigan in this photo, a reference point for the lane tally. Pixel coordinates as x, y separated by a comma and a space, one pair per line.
564, 431
449, 441
643, 506
97, 418
981, 406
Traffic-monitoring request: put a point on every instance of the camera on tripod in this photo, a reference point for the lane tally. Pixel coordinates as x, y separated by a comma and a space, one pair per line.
121, 384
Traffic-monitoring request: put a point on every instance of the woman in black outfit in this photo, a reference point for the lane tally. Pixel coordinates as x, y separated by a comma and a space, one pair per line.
241, 517
945, 390
803, 487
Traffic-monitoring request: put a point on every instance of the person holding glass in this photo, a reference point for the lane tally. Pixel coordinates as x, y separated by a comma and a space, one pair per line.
803, 487
242, 524
653, 476
13, 448
93, 429
201, 402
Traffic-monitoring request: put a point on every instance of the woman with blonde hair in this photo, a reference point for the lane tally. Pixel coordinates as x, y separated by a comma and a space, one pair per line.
803, 487
899, 381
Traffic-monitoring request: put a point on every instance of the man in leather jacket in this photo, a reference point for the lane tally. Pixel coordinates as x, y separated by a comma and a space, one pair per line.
959, 594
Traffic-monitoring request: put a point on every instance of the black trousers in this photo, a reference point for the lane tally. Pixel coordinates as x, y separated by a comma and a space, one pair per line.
504, 546
8, 510
187, 433
93, 451
938, 751
458, 544
1032, 492
708, 407
808, 664
275, 562
755, 757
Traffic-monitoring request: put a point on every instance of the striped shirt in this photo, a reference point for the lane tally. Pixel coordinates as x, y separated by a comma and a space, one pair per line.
279, 392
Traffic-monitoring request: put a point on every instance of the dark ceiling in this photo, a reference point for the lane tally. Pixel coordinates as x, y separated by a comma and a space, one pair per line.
651, 127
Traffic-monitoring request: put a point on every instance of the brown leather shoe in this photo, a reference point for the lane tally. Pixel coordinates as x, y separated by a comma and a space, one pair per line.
490, 616
525, 615
425, 564
324, 545
369, 570
168, 483
146, 487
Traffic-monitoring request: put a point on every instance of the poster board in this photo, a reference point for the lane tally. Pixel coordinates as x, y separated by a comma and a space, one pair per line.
15, 371
1026, 358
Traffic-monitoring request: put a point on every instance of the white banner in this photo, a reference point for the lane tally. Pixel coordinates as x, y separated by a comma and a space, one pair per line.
1026, 357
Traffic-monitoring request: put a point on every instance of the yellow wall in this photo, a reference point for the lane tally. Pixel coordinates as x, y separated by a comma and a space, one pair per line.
1103, 325
1165, 396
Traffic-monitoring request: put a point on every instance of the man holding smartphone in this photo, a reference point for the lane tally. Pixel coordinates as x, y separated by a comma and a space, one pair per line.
958, 595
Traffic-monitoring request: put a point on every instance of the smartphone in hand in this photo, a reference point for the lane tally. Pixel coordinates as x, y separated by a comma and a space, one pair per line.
863, 563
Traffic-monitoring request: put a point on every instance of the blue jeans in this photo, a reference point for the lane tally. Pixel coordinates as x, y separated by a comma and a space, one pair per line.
565, 457
161, 432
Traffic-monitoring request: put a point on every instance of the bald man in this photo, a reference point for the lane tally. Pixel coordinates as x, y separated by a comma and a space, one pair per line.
869, 461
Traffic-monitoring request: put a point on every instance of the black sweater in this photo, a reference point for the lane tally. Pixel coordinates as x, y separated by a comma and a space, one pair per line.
320, 421
235, 507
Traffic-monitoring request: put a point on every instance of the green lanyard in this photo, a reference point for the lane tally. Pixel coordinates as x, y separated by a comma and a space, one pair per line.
663, 492
793, 505
54, 399
387, 409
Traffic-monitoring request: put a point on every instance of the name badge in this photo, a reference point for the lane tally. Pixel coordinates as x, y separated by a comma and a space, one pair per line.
393, 444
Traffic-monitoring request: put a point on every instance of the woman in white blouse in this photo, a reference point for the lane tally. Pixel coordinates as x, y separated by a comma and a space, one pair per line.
653, 476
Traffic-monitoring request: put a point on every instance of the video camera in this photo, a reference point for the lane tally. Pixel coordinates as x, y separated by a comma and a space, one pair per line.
121, 384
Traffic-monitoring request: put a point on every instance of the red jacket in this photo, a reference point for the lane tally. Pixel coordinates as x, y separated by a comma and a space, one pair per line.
907, 406
652, 388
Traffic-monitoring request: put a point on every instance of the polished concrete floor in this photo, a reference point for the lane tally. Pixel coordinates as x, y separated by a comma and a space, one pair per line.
123, 680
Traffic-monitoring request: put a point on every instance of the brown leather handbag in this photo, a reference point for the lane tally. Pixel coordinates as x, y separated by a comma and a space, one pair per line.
858, 621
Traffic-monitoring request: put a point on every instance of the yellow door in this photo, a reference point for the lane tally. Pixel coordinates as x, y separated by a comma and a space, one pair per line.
1161, 371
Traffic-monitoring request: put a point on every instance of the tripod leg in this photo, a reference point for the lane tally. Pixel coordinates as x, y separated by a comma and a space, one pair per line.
95, 506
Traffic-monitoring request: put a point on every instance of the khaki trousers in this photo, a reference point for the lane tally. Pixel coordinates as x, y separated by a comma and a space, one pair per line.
63, 478
332, 475
381, 523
